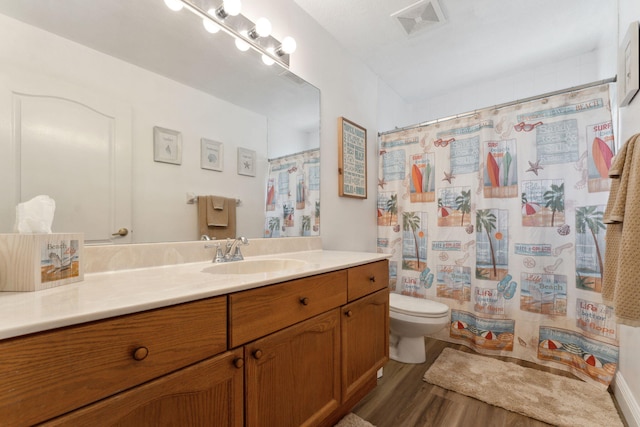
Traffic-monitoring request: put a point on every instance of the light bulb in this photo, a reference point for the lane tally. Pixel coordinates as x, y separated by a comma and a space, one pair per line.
210, 26
288, 45
267, 60
174, 5
232, 7
263, 27
241, 44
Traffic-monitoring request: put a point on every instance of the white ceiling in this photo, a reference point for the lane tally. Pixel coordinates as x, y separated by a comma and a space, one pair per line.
480, 38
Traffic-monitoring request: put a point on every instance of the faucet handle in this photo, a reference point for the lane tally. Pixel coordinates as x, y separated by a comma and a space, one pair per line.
237, 256
219, 255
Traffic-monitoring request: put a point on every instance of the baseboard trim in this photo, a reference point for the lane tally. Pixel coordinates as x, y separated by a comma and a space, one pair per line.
628, 405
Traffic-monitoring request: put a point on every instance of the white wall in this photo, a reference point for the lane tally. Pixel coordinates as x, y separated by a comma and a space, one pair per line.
159, 189
349, 89
565, 73
627, 388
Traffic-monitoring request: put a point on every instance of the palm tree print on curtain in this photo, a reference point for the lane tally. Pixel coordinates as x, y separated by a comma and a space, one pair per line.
387, 208
590, 232
454, 206
414, 241
513, 236
492, 241
542, 203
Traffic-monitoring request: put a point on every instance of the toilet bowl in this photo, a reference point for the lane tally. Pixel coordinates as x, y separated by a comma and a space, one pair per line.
410, 320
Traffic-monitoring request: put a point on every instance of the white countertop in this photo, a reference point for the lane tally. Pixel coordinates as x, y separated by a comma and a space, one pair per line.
103, 295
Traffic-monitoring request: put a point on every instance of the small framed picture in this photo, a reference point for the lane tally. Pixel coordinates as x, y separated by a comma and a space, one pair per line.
211, 155
246, 162
167, 145
352, 159
628, 66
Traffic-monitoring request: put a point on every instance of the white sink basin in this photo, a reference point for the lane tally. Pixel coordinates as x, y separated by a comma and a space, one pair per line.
255, 266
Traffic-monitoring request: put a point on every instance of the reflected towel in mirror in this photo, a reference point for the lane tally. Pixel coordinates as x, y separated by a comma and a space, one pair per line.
217, 210
205, 204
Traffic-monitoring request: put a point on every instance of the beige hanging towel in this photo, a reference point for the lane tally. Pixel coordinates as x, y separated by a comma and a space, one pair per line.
217, 211
621, 287
205, 206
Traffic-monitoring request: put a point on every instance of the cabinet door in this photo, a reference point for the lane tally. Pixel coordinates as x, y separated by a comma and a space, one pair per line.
365, 340
207, 394
293, 376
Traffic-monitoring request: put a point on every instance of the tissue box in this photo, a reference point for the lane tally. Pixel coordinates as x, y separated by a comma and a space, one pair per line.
31, 262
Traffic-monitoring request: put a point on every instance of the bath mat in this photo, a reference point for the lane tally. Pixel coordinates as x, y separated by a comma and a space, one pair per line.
541, 395
352, 420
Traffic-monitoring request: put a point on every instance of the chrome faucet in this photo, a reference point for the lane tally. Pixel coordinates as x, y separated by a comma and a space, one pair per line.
232, 249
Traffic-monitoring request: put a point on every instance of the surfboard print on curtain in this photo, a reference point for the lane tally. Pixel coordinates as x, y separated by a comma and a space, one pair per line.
507, 228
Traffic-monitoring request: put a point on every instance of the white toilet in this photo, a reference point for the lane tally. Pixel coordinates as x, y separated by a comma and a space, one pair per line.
410, 319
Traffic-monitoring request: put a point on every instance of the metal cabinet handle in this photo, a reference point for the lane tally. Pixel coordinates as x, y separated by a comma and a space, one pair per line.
140, 353
122, 232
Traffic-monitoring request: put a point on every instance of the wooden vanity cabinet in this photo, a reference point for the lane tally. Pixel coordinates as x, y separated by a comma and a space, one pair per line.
312, 346
297, 353
50, 373
209, 393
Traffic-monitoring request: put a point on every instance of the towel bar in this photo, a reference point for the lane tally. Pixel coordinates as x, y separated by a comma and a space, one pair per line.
192, 199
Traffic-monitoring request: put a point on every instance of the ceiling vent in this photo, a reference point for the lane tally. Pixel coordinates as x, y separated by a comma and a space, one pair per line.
420, 16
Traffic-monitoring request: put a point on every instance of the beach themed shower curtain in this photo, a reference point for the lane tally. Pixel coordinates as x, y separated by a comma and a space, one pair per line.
293, 195
499, 216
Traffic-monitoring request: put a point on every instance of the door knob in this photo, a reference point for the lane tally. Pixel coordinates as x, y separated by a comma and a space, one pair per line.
122, 232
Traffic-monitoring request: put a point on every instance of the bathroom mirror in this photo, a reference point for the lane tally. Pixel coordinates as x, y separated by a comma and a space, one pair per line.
157, 69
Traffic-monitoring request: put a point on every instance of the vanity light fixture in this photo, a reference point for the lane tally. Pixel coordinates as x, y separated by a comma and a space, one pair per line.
229, 8
287, 47
261, 29
247, 34
242, 45
268, 60
209, 25
174, 5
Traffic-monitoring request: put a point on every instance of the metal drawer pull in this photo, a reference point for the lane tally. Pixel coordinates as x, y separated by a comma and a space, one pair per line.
304, 301
140, 353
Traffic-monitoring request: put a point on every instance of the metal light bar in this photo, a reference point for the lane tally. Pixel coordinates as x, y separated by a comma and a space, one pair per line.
233, 25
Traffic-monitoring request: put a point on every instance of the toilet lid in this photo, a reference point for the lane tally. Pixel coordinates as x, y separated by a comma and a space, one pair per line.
418, 307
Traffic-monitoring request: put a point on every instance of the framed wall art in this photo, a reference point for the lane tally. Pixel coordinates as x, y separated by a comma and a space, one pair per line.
352, 159
628, 65
211, 155
246, 162
167, 146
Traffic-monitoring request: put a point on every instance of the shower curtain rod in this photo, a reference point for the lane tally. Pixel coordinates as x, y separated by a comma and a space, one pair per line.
506, 104
293, 154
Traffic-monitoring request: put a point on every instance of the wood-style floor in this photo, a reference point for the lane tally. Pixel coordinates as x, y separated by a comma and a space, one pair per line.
403, 399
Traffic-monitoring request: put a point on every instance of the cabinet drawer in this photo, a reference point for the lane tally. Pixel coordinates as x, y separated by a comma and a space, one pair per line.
368, 278
259, 312
44, 375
